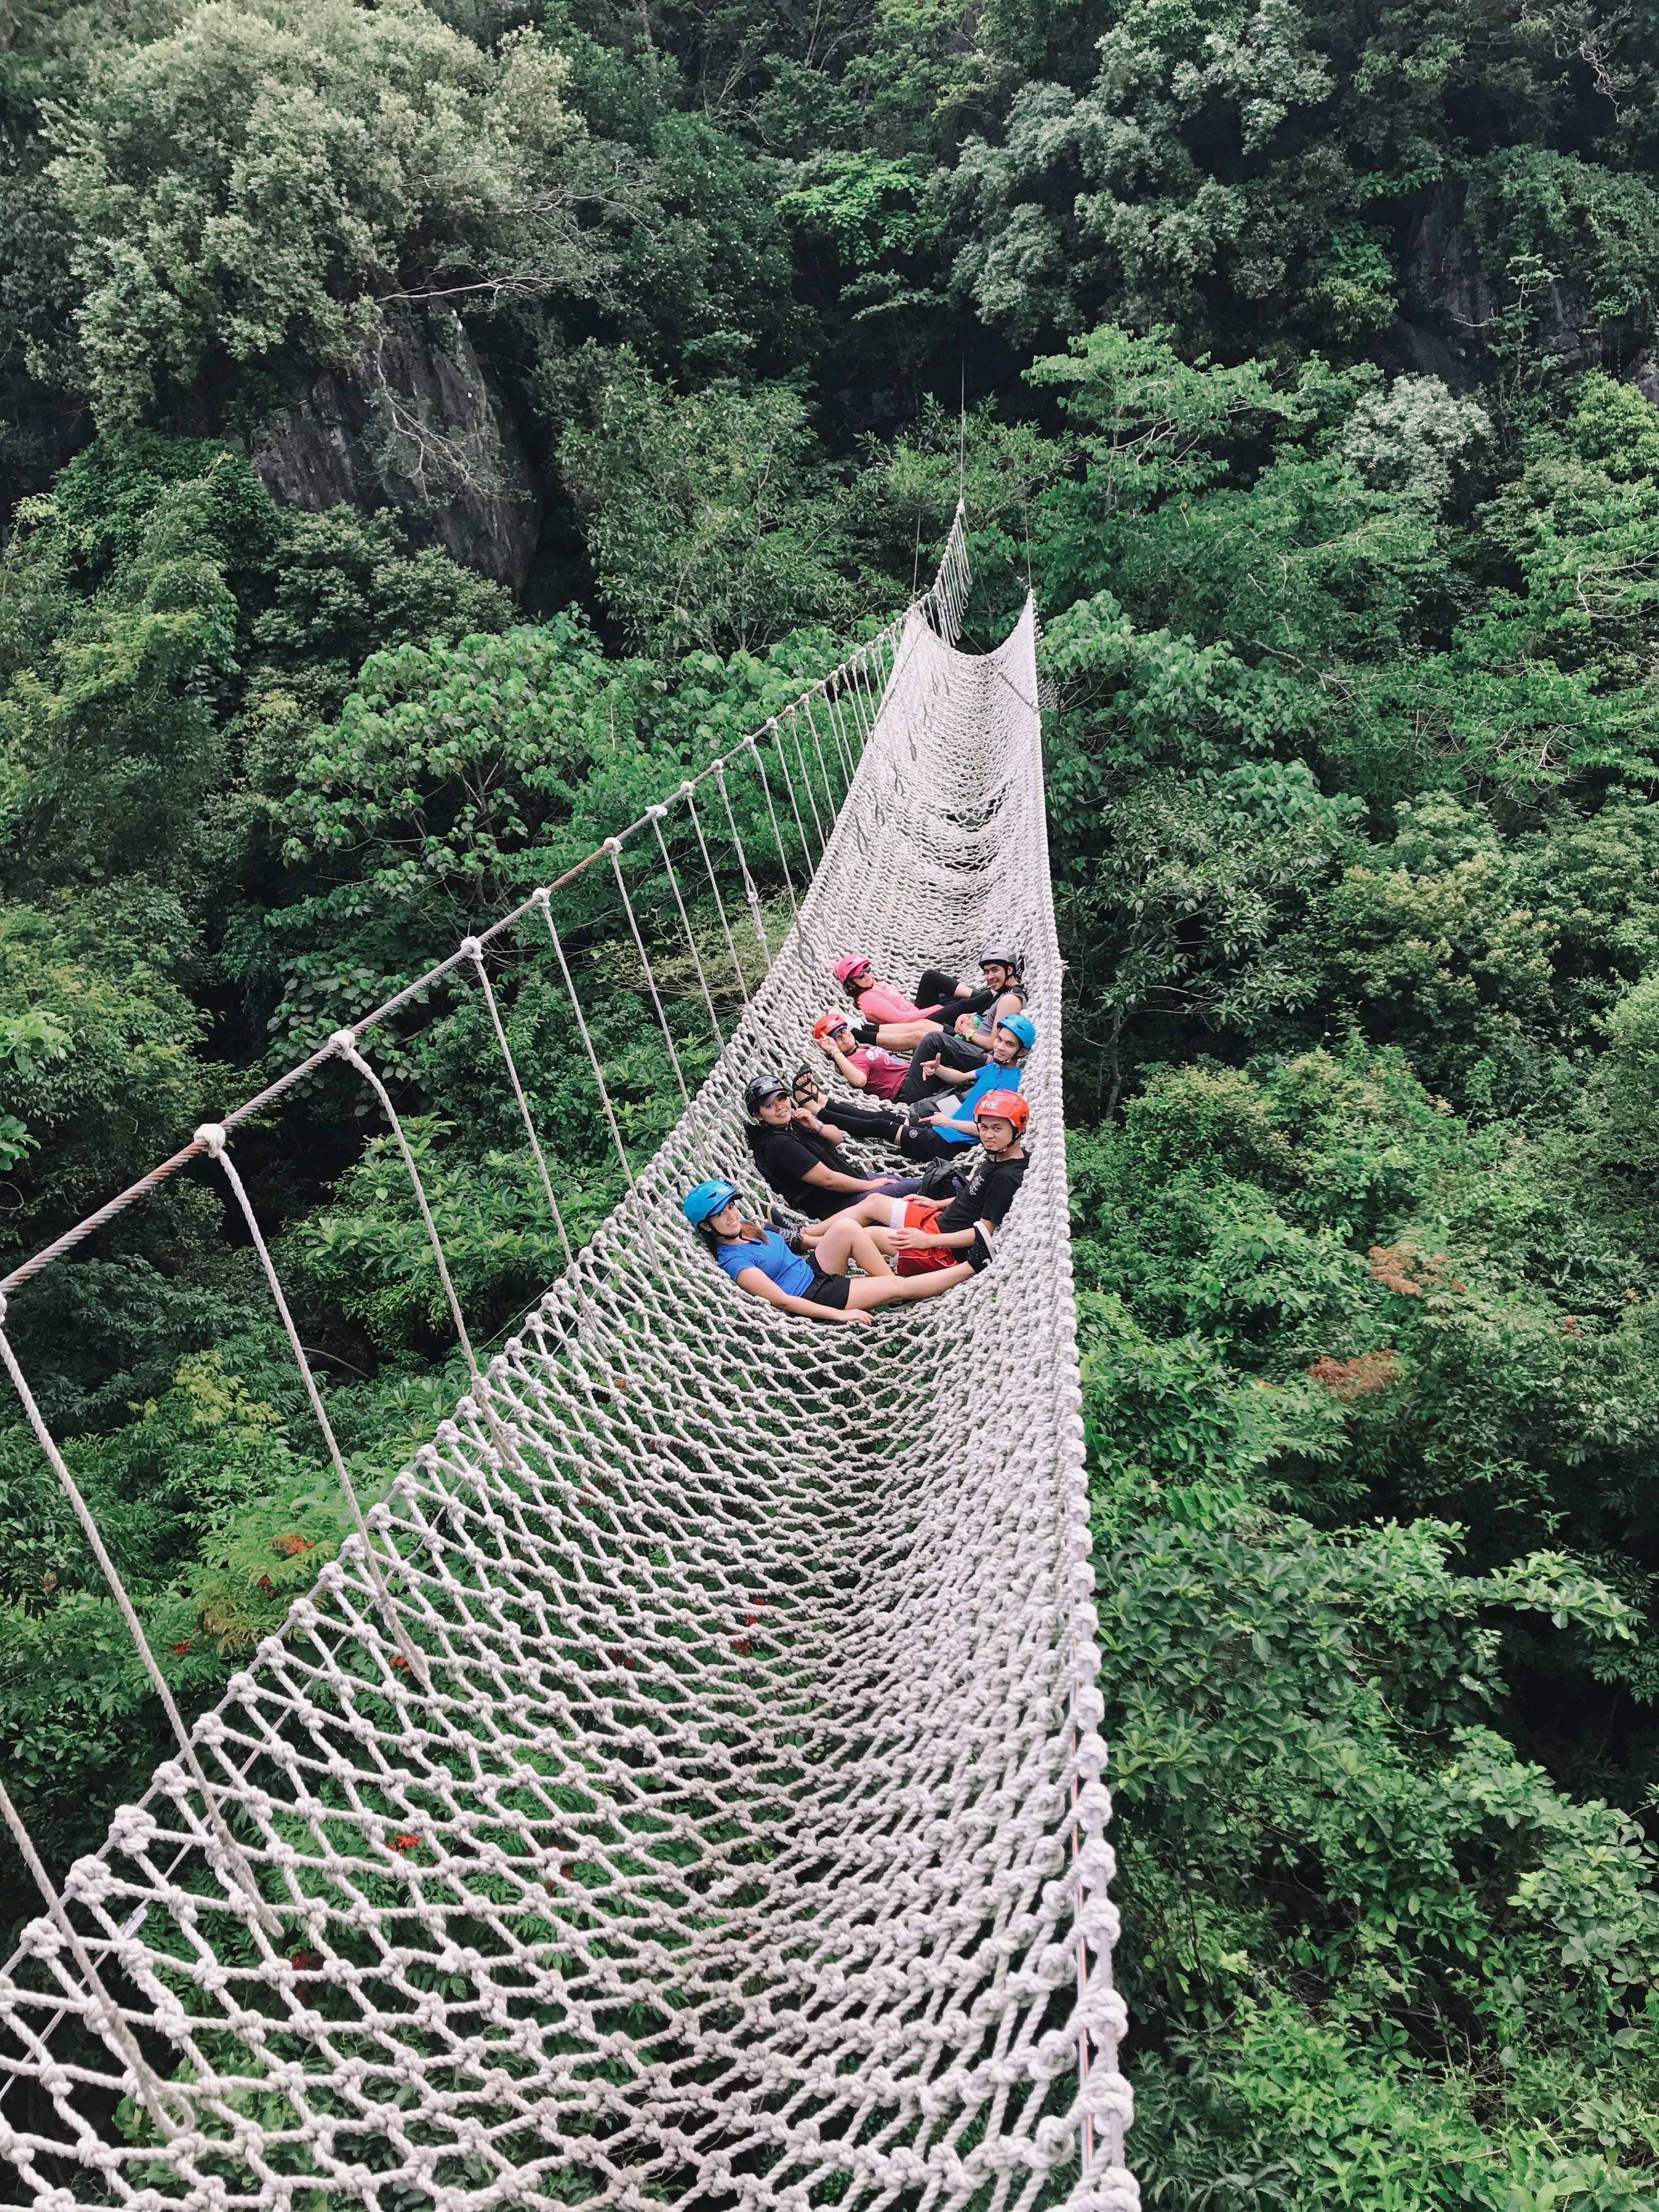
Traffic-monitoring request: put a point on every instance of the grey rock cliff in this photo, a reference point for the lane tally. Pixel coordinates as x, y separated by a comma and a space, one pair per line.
1447, 303
413, 424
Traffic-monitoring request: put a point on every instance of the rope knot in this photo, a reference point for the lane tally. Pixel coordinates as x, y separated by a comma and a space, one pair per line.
541, 897
655, 813
612, 845
471, 946
211, 1138
344, 1041
687, 788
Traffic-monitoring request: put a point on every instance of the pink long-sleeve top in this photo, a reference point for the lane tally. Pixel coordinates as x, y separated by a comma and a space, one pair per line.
879, 1004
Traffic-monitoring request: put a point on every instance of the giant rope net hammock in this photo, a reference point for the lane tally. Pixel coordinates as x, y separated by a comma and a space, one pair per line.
685, 1790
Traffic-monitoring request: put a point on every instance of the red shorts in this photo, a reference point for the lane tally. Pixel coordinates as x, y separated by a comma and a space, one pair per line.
919, 1213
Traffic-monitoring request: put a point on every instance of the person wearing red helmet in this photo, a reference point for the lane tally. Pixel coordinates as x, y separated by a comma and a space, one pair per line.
863, 1066
924, 1235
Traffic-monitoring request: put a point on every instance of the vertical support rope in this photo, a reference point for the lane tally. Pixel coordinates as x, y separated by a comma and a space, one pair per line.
345, 1044
750, 893
654, 815
849, 702
866, 692
688, 793
227, 1843
546, 906
211, 1136
613, 846
812, 803
471, 946
830, 801
844, 749
832, 707
753, 743
776, 728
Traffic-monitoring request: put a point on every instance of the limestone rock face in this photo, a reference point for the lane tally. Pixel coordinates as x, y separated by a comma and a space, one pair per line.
1446, 304
1445, 301
413, 423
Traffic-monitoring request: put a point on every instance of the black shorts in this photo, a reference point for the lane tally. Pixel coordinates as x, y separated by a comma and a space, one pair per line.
827, 1291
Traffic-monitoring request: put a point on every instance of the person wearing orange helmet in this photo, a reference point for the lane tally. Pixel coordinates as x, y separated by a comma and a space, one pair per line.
863, 1067
924, 1235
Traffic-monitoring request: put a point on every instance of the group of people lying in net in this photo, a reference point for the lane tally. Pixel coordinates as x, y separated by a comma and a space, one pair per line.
947, 1067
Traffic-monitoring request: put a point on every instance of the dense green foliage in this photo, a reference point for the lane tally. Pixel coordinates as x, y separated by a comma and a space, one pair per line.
1303, 357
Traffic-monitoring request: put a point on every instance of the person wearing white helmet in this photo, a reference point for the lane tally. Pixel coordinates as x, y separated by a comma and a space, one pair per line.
975, 1012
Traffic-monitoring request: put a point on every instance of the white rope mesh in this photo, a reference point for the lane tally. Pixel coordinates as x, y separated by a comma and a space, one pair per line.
740, 1839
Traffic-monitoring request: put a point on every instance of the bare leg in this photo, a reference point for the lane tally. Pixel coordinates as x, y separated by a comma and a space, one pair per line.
867, 1291
846, 1238
905, 1037
872, 1212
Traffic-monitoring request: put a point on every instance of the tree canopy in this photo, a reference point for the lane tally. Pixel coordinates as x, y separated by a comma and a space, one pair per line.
1299, 358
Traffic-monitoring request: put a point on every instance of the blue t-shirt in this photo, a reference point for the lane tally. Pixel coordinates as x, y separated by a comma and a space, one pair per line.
787, 1269
990, 1077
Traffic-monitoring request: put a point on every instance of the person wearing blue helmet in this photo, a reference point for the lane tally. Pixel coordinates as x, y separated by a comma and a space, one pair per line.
814, 1284
948, 1126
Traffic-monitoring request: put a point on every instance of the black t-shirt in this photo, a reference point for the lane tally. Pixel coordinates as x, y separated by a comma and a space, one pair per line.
987, 1198
783, 1157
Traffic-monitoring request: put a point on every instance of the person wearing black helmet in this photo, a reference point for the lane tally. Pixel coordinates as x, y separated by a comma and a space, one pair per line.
801, 1164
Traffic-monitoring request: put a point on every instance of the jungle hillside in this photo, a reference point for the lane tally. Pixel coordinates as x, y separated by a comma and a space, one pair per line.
428, 432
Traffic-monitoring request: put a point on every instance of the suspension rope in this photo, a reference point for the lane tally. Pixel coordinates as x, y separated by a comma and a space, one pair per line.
345, 1044
776, 729
593, 1056
656, 817
750, 895
720, 903
772, 817
112, 1574
211, 1137
615, 848
473, 946
806, 781
829, 789
843, 751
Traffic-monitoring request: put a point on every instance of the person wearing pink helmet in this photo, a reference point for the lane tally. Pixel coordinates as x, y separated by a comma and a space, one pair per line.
887, 1017
943, 1006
